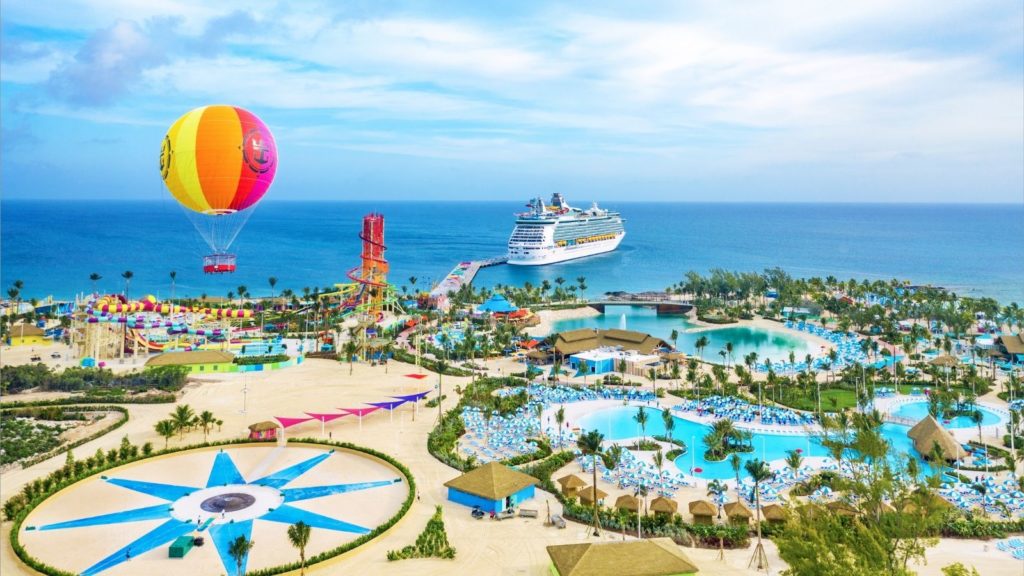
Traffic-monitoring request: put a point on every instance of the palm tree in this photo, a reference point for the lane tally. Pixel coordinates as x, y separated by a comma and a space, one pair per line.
206, 421
174, 275
589, 444
736, 462
183, 417
715, 490
641, 419
239, 550
298, 535
652, 375
166, 429
659, 463
700, 345
794, 459
350, 352
560, 419
273, 282
94, 278
127, 275
670, 423
759, 472
728, 354
674, 337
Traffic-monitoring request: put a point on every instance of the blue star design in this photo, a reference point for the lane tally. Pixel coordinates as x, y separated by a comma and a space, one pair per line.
224, 476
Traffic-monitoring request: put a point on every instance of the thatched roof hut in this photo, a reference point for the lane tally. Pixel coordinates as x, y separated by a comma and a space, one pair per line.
648, 557
662, 505
628, 502
944, 361
571, 484
492, 481
738, 512
586, 495
928, 432
774, 513
702, 511
842, 508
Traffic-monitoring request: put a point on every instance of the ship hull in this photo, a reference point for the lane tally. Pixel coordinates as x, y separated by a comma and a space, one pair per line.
556, 254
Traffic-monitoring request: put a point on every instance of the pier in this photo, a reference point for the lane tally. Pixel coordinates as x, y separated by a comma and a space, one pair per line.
661, 302
463, 275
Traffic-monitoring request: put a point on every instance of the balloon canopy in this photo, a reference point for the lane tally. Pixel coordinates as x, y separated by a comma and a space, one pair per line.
218, 159
218, 162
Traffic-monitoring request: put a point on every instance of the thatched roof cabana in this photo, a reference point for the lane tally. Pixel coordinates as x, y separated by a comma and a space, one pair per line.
571, 484
774, 513
702, 511
927, 433
586, 495
944, 361
628, 502
738, 511
662, 505
842, 508
263, 426
648, 557
575, 341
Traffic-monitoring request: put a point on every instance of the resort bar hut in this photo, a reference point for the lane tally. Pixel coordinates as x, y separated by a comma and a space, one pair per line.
571, 485
703, 511
265, 430
662, 505
739, 513
774, 513
648, 557
587, 495
927, 433
627, 502
493, 487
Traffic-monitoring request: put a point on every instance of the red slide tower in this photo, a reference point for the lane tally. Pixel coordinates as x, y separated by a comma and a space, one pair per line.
372, 274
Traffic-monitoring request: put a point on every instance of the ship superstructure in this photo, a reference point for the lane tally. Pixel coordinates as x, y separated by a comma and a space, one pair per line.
556, 232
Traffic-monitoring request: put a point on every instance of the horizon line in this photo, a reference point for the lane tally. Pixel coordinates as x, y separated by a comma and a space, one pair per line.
501, 201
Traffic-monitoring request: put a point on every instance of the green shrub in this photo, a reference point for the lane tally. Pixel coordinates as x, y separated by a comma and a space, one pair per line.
431, 543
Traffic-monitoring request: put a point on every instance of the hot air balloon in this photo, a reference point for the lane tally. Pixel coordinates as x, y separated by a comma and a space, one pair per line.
218, 162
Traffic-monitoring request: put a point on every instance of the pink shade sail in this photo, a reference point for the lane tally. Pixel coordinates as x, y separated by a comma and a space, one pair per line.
416, 376
289, 422
360, 411
325, 417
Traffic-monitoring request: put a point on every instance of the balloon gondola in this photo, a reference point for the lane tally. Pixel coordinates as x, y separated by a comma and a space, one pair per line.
218, 162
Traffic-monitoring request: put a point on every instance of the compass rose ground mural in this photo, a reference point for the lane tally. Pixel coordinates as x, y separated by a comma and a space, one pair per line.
126, 521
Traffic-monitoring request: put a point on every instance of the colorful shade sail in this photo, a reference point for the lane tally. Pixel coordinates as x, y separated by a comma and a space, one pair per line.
413, 397
388, 405
326, 417
289, 422
218, 159
360, 411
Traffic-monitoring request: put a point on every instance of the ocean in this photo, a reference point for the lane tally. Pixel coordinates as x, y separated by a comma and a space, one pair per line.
53, 246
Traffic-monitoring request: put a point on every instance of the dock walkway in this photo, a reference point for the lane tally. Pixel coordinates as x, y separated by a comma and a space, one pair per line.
463, 275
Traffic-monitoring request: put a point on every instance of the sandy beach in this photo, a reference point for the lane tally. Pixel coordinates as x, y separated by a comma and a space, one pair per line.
549, 317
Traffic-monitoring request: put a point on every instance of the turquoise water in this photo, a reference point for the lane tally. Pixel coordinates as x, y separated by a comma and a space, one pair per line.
54, 246
768, 344
617, 424
918, 410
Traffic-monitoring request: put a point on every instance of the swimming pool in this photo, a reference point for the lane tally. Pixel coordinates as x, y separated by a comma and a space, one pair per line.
918, 410
773, 344
617, 424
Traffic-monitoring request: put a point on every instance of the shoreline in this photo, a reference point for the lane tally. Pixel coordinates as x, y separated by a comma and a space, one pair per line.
549, 317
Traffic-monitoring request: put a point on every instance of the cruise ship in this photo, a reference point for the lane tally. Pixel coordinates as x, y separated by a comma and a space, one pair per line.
557, 232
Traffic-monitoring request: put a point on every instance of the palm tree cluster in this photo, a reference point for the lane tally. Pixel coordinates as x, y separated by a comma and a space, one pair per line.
183, 420
725, 438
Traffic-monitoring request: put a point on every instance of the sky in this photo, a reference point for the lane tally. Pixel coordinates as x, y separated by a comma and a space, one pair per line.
772, 101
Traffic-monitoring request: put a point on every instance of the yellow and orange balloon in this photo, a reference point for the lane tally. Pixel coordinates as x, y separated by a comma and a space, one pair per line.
218, 159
